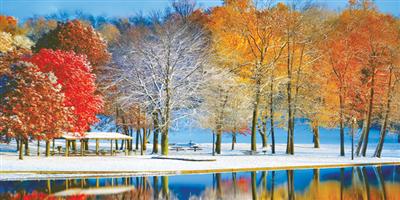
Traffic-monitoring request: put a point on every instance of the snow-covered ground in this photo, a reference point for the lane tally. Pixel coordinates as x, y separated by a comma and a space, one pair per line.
305, 156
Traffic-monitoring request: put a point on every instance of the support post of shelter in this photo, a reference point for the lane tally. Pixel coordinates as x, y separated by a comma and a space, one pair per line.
66, 148
126, 149
82, 147
54, 147
97, 136
97, 146
111, 141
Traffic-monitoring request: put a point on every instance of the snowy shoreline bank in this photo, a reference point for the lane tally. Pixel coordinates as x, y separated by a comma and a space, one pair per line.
33, 167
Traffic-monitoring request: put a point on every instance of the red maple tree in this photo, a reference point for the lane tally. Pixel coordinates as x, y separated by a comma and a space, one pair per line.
73, 73
77, 37
31, 104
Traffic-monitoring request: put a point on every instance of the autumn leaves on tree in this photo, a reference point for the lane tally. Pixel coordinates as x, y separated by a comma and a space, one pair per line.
327, 68
49, 92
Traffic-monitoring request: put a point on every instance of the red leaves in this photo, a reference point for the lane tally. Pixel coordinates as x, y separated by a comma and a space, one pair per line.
73, 73
31, 105
55, 95
77, 37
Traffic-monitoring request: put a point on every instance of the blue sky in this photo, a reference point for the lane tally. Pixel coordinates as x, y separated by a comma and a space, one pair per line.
27, 8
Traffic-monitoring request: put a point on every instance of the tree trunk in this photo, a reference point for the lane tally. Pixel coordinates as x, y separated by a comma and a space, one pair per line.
27, 152
156, 131
122, 145
213, 143
141, 146
18, 143
219, 141
379, 147
361, 139
255, 117
47, 148
54, 146
315, 130
164, 142
263, 133
292, 134
289, 149
233, 140
369, 114
341, 101
271, 109
38, 148
144, 139
137, 138
130, 130
166, 116
21, 148
353, 124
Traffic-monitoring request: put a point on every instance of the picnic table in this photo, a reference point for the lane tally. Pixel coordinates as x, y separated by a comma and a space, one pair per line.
195, 148
177, 148
185, 146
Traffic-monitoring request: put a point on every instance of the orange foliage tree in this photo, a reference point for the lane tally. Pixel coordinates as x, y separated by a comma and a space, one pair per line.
379, 36
247, 42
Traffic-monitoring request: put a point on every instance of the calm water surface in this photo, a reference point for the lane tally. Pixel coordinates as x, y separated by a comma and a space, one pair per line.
369, 182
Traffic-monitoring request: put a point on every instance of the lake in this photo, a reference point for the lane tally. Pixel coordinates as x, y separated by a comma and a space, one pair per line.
302, 135
363, 182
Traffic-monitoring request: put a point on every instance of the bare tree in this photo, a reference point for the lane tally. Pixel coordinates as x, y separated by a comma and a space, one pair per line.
161, 68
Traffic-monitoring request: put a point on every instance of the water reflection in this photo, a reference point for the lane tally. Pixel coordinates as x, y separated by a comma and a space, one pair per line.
337, 183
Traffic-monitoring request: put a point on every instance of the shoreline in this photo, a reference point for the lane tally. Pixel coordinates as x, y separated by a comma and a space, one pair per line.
306, 157
56, 175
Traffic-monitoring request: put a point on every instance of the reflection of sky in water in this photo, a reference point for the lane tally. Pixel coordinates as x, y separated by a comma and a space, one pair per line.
184, 186
188, 185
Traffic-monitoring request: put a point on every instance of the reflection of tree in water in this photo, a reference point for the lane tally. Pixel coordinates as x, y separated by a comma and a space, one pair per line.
74, 190
361, 187
366, 183
231, 188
